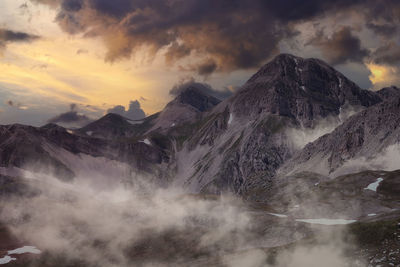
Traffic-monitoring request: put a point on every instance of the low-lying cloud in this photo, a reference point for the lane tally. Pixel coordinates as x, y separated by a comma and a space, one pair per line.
343, 46
71, 118
8, 36
134, 112
234, 35
148, 226
205, 88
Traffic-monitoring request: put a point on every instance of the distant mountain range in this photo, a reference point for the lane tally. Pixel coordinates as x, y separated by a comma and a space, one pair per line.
205, 145
246, 145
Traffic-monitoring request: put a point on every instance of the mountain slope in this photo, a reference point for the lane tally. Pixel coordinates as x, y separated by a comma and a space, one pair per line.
55, 151
113, 126
205, 145
187, 107
364, 136
241, 143
303, 89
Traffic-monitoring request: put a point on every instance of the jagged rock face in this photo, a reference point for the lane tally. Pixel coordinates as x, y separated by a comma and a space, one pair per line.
52, 149
389, 93
364, 135
201, 101
21, 146
303, 89
113, 126
287, 92
187, 107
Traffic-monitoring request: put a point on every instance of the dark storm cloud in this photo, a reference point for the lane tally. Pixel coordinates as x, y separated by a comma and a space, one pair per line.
13, 36
71, 118
207, 67
8, 36
72, 5
387, 30
134, 112
235, 34
387, 54
341, 47
183, 85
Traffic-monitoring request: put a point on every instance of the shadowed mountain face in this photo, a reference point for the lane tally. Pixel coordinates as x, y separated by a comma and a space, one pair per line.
363, 136
197, 99
187, 107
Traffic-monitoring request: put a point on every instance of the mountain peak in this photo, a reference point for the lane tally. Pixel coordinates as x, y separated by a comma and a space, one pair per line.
195, 96
388, 93
303, 89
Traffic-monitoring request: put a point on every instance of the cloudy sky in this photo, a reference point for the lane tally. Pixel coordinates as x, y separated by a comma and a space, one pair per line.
66, 60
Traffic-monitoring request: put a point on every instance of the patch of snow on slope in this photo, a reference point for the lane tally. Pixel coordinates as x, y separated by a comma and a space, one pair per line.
230, 119
6, 259
326, 221
135, 122
371, 214
18, 251
89, 133
146, 141
374, 185
25, 249
278, 215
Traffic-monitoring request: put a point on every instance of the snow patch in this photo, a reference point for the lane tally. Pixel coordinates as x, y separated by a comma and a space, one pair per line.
172, 125
18, 251
89, 133
278, 215
303, 88
146, 141
25, 249
135, 122
6, 260
230, 119
371, 214
374, 185
70, 132
326, 221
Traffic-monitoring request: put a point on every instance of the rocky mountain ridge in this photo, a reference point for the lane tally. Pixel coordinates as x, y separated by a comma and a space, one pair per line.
205, 145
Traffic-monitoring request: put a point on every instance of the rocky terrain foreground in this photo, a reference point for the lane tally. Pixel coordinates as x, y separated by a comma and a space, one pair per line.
300, 167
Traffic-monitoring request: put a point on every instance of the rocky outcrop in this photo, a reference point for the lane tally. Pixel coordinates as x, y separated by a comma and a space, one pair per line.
187, 107
247, 134
302, 89
205, 145
363, 136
